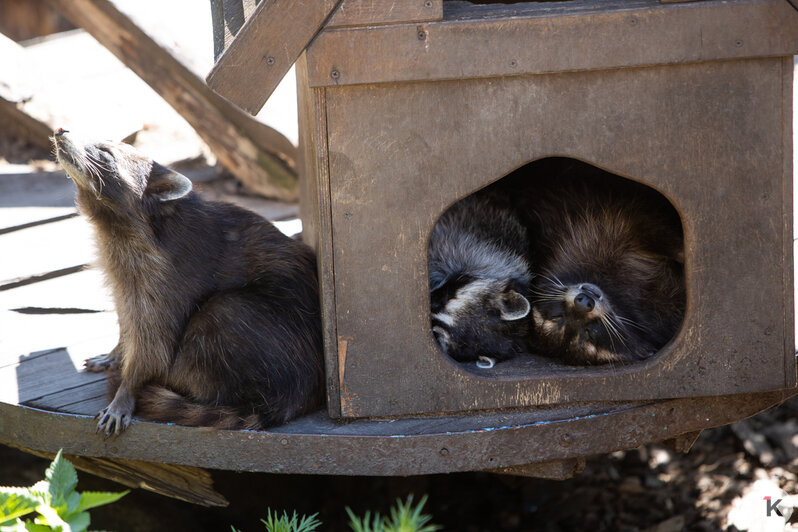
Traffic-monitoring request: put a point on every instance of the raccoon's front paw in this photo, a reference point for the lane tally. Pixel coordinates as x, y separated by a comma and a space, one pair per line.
101, 363
117, 416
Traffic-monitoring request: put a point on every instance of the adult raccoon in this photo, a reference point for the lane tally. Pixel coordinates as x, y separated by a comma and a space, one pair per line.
218, 311
478, 278
608, 256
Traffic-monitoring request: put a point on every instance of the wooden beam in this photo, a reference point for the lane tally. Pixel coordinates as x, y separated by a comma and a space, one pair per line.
186, 483
510, 45
263, 159
230, 15
265, 49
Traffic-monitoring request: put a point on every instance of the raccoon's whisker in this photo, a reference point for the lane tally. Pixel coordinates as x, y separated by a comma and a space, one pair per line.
612, 330
631, 323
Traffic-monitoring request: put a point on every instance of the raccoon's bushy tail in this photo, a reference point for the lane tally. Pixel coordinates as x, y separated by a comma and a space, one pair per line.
157, 403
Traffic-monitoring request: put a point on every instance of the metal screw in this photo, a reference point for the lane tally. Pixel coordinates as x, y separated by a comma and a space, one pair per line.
284, 441
428, 3
633, 21
513, 63
738, 43
335, 74
566, 440
270, 60
444, 452
422, 35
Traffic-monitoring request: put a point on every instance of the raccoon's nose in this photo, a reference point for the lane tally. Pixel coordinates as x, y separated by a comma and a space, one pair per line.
584, 303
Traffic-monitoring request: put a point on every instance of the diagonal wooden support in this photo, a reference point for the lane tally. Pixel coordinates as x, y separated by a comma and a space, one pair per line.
189, 484
263, 159
268, 44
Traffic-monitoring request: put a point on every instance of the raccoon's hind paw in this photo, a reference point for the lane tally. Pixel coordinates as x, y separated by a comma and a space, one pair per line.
485, 362
101, 363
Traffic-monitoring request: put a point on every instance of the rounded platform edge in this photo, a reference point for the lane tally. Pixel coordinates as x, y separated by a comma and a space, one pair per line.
326, 447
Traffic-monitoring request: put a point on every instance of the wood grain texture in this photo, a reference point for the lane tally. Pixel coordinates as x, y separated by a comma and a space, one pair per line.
393, 158
265, 48
189, 484
538, 39
229, 16
259, 156
317, 445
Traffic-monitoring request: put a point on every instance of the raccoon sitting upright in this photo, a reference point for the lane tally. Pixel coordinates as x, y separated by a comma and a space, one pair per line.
608, 259
218, 311
478, 280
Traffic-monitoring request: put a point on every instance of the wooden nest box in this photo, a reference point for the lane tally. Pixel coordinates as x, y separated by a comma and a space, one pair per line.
407, 107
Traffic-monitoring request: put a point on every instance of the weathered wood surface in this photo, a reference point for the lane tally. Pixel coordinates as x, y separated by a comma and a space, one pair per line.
317, 445
265, 49
592, 36
259, 156
47, 402
392, 158
229, 16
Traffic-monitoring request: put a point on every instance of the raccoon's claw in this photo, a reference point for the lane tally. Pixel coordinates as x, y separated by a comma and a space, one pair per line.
112, 422
485, 362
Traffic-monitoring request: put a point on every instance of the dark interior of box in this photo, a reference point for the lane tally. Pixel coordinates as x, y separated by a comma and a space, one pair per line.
517, 186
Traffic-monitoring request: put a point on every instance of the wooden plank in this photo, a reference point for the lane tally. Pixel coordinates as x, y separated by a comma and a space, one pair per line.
82, 290
315, 212
375, 12
188, 484
264, 50
229, 16
49, 375
258, 155
85, 398
45, 248
311, 449
82, 336
596, 39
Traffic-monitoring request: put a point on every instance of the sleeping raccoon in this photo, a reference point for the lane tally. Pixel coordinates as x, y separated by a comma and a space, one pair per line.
478, 280
608, 259
218, 311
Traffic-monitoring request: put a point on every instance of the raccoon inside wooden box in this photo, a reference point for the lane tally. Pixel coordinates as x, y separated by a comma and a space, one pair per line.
559, 262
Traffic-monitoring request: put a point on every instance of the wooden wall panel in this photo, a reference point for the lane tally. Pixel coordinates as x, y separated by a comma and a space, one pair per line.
708, 136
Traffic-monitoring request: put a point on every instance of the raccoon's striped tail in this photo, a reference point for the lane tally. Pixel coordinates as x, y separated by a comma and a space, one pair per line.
157, 403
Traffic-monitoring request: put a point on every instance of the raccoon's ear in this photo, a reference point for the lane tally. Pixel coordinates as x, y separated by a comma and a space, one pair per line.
513, 306
167, 185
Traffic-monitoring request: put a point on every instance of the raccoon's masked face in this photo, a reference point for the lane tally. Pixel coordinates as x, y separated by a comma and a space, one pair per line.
474, 318
116, 176
601, 322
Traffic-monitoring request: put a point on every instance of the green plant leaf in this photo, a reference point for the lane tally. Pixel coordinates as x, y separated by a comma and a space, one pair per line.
79, 522
34, 527
15, 503
63, 479
366, 524
93, 499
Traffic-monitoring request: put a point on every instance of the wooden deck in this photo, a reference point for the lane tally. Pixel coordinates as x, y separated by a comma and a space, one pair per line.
55, 313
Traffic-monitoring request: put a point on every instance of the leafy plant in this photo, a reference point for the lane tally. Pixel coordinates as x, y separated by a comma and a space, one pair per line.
53, 501
288, 524
404, 518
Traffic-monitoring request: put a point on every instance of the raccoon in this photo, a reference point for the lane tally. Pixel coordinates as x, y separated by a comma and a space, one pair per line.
218, 311
478, 280
608, 258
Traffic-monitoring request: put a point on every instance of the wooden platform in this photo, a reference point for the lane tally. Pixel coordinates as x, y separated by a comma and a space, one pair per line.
55, 313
